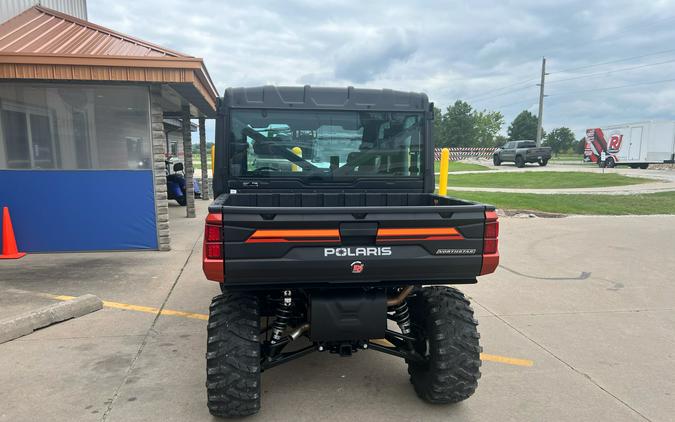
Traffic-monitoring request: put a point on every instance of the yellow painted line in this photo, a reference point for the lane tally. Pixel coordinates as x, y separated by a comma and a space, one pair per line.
137, 308
148, 309
505, 359
59, 297
483, 356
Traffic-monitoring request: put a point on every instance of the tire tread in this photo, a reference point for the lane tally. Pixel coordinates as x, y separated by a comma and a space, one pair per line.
233, 355
454, 365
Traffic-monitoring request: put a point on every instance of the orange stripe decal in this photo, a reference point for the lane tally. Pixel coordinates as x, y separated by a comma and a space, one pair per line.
428, 233
300, 235
431, 231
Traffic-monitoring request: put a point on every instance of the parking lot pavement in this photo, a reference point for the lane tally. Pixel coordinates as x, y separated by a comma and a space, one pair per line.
586, 300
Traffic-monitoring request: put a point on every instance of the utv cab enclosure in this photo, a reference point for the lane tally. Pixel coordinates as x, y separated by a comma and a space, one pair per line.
325, 227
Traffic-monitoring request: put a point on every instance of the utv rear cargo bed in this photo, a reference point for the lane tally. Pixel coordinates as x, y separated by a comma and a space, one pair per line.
322, 239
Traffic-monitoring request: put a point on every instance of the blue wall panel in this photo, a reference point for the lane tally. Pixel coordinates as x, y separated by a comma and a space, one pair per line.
80, 210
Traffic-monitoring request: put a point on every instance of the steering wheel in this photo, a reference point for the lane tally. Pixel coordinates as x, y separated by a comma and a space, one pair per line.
265, 169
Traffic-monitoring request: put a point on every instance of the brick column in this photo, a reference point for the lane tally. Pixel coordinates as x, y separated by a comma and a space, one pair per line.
189, 169
159, 169
202, 157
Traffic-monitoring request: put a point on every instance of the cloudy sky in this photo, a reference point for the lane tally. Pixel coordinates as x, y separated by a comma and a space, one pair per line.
488, 53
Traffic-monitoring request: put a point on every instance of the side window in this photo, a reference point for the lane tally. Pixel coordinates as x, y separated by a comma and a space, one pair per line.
508, 145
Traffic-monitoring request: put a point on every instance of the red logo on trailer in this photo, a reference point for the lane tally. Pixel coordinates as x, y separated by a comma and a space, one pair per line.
615, 142
357, 267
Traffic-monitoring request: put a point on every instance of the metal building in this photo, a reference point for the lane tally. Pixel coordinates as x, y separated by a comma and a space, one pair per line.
11, 8
83, 142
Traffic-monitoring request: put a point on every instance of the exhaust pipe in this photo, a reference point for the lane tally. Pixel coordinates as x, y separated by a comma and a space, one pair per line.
398, 299
299, 331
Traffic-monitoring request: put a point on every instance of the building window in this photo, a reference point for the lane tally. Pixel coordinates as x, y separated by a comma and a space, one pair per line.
74, 127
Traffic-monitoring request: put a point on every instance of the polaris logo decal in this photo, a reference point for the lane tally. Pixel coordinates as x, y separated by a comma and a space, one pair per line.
455, 251
359, 251
357, 267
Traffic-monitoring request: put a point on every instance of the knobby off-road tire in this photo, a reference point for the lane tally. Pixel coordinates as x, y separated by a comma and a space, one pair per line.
443, 322
496, 160
233, 355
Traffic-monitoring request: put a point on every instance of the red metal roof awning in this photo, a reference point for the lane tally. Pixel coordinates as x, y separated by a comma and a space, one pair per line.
43, 44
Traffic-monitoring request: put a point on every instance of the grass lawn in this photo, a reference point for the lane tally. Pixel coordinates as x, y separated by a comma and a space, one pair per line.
543, 180
197, 164
650, 203
454, 166
567, 157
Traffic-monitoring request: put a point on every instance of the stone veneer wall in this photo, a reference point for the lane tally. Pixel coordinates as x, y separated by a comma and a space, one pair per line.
159, 169
187, 162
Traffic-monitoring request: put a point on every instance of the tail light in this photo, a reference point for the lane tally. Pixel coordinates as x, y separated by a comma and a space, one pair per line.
213, 248
490, 243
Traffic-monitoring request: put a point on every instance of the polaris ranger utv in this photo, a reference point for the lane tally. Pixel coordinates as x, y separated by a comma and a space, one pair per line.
316, 247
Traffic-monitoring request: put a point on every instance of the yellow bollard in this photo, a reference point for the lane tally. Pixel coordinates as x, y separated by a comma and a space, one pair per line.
213, 157
297, 151
443, 176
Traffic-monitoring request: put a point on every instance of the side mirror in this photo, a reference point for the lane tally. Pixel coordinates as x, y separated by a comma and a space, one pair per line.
178, 167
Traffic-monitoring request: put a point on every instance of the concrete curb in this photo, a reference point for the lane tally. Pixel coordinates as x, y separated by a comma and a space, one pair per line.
28, 322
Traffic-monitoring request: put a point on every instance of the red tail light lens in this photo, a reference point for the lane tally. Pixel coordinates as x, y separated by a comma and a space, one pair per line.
490, 243
491, 230
213, 233
214, 250
489, 246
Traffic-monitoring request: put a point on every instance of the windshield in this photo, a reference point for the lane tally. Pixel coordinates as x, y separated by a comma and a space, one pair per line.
325, 144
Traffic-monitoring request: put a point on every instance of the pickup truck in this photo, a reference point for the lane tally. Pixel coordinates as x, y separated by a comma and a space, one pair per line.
318, 255
521, 152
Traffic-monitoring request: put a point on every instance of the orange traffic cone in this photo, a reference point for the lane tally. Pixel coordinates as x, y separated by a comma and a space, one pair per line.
9, 249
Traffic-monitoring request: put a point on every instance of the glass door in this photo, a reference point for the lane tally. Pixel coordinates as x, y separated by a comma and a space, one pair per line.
28, 140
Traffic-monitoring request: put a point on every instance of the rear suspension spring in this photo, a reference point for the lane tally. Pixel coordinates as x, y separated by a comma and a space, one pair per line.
283, 316
401, 314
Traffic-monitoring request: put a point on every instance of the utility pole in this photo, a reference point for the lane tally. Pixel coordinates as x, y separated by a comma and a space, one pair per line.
541, 100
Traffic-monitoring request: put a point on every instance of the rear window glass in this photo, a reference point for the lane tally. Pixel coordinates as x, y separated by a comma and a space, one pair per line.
326, 145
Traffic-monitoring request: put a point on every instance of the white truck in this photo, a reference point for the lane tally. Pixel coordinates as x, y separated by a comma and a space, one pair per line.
634, 144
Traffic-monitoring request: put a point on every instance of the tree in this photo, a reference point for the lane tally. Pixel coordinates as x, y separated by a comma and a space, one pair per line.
499, 141
487, 125
462, 126
560, 139
438, 127
524, 126
458, 125
580, 147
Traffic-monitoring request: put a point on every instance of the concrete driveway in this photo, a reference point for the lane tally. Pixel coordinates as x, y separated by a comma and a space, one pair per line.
577, 325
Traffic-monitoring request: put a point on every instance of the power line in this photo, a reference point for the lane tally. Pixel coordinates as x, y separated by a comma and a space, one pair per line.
478, 96
615, 61
502, 94
591, 75
518, 102
611, 87
486, 94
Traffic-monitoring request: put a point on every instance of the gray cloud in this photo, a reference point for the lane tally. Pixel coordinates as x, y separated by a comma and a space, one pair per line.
369, 54
449, 49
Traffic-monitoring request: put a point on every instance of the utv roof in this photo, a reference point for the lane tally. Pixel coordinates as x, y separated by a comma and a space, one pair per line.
319, 98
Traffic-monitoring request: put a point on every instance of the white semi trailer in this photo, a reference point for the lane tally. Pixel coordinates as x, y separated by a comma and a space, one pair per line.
635, 144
